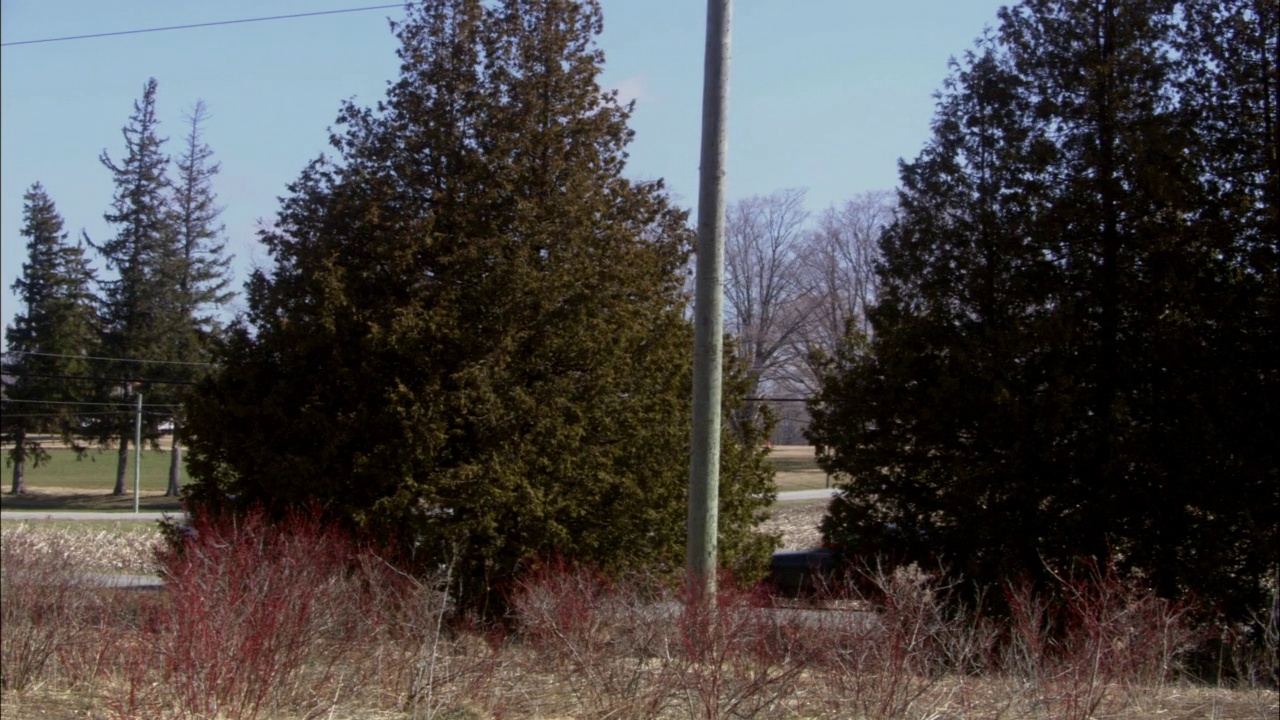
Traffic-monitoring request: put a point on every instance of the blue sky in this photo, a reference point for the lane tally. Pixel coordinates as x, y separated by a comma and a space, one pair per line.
826, 95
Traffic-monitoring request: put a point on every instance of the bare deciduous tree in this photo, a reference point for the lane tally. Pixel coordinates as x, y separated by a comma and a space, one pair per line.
792, 290
839, 259
764, 284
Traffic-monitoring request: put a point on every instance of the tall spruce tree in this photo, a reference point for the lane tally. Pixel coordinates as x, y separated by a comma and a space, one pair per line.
48, 340
1066, 322
473, 335
201, 277
140, 306
937, 424
1231, 86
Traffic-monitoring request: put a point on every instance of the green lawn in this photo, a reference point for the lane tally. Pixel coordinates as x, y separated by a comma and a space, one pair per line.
67, 483
96, 471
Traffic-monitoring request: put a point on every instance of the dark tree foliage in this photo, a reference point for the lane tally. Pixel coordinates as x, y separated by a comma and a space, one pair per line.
46, 340
1232, 89
1073, 356
473, 335
140, 307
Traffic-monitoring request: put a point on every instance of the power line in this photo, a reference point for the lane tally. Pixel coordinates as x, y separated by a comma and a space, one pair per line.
111, 359
149, 413
56, 415
200, 25
86, 404
102, 379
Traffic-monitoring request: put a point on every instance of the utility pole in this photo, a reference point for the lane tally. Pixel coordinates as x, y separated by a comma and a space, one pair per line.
704, 464
137, 457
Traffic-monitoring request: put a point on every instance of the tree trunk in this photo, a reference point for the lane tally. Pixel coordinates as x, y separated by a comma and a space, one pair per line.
175, 461
122, 464
19, 463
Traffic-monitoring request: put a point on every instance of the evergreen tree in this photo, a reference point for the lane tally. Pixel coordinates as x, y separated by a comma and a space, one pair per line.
937, 425
202, 275
47, 342
473, 335
1231, 89
1066, 322
140, 306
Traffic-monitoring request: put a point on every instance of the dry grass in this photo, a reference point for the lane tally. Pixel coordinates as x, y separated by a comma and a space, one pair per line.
796, 523
796, 468
304, 625
95, 469
100, 547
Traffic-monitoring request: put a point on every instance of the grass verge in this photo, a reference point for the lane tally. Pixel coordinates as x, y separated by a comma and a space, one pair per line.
76, 499
108, 530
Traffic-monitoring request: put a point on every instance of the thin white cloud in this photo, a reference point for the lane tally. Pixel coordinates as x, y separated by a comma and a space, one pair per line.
633, 88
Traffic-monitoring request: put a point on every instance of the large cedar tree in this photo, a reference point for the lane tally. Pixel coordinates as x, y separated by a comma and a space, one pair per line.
473, 336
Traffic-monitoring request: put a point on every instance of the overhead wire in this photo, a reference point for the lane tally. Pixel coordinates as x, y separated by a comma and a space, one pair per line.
96, 404
145, 381
201, 25
136, 360
79, 414
164, 29
110, 359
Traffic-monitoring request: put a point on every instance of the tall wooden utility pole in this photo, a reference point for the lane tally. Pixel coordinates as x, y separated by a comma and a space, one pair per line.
704, 465
137, 457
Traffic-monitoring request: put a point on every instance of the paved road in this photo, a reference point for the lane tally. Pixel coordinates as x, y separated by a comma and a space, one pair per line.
150, 582
806, 495
124, 581
791, 496
79, 515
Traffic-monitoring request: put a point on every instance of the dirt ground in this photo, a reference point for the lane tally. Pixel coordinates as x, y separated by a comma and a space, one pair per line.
797, 523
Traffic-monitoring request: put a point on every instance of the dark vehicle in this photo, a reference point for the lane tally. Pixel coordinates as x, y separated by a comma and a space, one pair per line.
797, 573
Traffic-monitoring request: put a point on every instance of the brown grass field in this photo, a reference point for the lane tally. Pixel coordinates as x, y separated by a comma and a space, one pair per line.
796, 468
300, 624
256, 623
